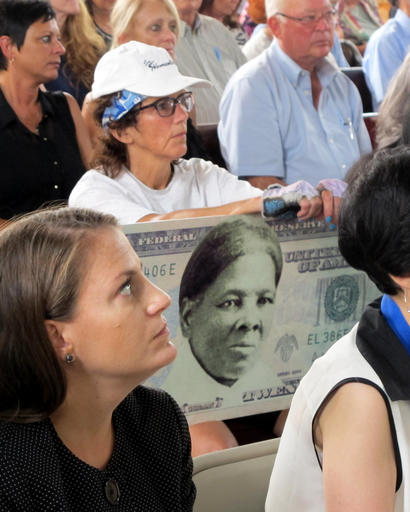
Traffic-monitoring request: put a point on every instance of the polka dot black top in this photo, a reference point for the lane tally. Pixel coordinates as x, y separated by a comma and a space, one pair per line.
150, 468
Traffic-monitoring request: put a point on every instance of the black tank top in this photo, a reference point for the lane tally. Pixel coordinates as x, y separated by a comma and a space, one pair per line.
37, 169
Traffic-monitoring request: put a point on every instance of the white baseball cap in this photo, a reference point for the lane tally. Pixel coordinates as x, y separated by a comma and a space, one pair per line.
140, 68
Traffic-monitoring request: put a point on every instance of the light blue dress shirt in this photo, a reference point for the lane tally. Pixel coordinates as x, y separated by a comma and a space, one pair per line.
270, 127
385, 52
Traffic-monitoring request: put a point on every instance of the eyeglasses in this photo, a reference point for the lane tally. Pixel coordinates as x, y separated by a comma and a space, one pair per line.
166, 106
311, 20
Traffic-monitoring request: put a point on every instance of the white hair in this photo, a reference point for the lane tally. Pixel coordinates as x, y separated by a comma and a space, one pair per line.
273, 6
395, 108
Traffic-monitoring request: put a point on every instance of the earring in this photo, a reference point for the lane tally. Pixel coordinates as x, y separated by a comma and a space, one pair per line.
12, 60
69, 358
405, 301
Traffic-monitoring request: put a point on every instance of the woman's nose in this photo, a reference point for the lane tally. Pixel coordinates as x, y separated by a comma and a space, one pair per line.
158, 300
59, 48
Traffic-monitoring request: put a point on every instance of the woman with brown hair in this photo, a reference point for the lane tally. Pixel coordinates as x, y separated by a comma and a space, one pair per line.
84, 46
80, 329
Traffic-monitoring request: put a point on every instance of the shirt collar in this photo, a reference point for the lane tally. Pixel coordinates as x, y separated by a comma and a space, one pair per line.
384, 351
402, 19
295, 73
185, 28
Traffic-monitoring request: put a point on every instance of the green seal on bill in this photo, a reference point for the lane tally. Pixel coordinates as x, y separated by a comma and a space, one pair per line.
341, 297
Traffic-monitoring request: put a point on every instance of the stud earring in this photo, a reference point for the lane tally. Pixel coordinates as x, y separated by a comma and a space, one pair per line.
12, 60
69, 358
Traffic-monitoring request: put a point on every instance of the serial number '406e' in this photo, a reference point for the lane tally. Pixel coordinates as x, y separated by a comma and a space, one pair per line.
166, 269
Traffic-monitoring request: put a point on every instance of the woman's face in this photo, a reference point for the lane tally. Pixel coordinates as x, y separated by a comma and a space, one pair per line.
159, 137
154, 24
118, 331
227, 326
40, 55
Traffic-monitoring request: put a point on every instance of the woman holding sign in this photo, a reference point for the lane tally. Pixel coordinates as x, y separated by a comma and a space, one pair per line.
345, 446
142, 102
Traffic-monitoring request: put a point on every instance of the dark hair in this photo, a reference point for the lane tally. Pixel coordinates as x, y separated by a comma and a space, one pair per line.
222, 245
16, 16
43, 259
111, 154
374, 225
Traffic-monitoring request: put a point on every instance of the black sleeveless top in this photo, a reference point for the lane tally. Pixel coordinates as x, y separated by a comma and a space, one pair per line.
36, 170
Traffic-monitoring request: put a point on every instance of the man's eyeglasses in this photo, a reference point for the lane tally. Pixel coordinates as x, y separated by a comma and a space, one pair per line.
166, 106
311, 20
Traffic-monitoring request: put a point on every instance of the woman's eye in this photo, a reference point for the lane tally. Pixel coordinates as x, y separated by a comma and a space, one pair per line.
173, 27
46, 39
265, 300
156, 27
126, 289
229, 303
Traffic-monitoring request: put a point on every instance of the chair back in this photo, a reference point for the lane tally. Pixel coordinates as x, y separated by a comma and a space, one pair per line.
234, 480
356, 75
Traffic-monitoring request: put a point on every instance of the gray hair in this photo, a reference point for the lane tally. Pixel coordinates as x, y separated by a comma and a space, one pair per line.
395, 109
273, 6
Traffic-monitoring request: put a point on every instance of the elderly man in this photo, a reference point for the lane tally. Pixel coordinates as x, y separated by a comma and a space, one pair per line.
386, 51
289, 114
207, 50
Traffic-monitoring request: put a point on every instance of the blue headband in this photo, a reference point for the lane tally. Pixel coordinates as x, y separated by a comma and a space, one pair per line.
121, 104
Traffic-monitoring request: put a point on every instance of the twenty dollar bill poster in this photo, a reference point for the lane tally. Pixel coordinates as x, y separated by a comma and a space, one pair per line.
254, 303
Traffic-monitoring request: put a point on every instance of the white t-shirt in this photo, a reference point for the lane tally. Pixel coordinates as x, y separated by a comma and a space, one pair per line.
196, 183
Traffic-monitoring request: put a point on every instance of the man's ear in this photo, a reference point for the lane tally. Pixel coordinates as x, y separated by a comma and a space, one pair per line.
185, 316
402, 281
275, 25
55, 332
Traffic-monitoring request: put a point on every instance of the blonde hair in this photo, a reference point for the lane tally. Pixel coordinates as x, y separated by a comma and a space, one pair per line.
123, 15
84, 46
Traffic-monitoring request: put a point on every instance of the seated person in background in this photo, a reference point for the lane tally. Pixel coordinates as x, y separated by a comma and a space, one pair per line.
81, 328
84, 46
393, 121
385, 52
207, 50
225, 11
289, 114
44, 144
262, 37
153, 22
346, 440
359, 19
100, 12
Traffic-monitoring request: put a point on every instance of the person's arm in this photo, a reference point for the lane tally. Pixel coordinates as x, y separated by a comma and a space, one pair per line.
252, 205
83, 139
359, 468
382, 58
87, 113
